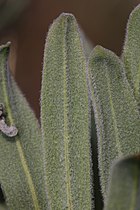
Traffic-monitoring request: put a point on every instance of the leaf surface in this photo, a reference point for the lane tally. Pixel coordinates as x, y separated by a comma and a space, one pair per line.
116, 114
124, 187
65, 118
21, 166
131, 52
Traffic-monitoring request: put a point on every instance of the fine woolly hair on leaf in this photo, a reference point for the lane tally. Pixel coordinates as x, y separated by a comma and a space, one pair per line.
116, 114
131, 52
21, 166
65, 119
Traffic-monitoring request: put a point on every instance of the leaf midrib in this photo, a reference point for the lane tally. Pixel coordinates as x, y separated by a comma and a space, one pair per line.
116, 133
66, 134
18, 144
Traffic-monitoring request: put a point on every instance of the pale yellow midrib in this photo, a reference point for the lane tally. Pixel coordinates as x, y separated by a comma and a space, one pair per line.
66, 135
19, 147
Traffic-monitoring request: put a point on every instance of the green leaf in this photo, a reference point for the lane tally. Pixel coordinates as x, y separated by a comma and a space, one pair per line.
65, 118
21, 165
87, 45
124, 187
116, 113
3, 207
131, 52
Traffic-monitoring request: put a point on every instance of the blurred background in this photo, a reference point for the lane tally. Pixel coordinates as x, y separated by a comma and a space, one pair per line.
25, 23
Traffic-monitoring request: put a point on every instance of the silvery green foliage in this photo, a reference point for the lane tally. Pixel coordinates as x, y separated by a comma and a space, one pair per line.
65, 118
124, 187
116, 113
57, 175
87, 45
21, 162
131, 52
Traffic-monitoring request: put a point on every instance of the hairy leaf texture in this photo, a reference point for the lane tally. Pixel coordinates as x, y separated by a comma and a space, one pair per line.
124, 187
116, 114
131, 52
65, 118
87, 45
21, 162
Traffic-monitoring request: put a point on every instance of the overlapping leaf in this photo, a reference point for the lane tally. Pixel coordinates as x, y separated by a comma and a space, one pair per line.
124, 188
131, 52
116, 113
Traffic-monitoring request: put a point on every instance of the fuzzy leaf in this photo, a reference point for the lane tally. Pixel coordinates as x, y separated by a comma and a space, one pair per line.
124, 188
3, 207
87, 45
65, 118
116, 113
131, 52
21, 165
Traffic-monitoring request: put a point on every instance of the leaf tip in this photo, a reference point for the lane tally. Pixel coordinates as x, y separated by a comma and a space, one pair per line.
67, 16
135, 11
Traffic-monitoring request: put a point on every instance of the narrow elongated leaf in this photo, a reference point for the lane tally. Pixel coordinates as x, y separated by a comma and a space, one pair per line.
116, 113
124, 188
65, 118
21, 162
131, 52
